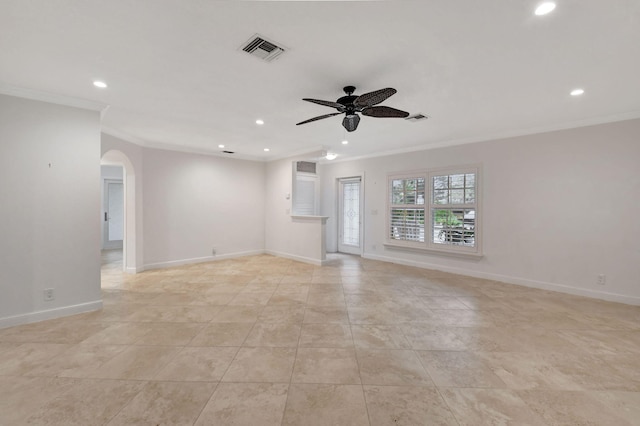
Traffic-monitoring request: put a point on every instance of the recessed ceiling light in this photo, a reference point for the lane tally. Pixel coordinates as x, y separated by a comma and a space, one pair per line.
545, 8
266, 150
259, 122
331, 156
100, 84
220, 146
577, 92
344, 142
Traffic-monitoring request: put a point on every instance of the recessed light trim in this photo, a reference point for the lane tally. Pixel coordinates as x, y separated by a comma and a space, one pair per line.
266, 150
331, 156
544, 8
577, 92
220, 146
259, 122
100, 84
345, 142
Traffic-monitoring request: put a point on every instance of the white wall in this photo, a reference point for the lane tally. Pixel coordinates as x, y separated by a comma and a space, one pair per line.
558, 209
195, 203
295, 238
50, 210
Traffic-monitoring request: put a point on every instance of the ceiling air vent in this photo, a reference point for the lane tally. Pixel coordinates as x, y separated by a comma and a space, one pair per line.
306, 167
417, 117
228, 152
262, 48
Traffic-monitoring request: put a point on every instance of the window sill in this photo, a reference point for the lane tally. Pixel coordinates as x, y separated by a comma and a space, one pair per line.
463, 254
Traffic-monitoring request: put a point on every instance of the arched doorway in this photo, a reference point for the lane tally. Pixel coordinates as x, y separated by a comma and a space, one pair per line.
129, 252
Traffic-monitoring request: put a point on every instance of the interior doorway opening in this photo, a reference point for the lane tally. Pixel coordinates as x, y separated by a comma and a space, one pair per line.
118, 217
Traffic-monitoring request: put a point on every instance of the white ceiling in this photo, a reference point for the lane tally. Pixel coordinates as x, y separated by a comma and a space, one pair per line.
478, 69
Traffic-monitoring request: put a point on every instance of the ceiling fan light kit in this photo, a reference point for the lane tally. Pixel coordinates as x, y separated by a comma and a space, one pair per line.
351, 105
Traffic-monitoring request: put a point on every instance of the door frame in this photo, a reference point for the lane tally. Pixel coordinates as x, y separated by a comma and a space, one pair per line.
359, 251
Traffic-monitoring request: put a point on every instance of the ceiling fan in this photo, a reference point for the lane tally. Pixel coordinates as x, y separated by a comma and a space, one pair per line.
351, 105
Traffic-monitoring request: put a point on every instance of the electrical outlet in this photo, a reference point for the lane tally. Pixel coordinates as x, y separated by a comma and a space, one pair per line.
49, 294
602, 279
213, 251
373, 247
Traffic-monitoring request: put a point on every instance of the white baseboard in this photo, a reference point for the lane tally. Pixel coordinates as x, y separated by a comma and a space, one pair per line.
133, 270
304, 259
561, 288
50, 314
173, 263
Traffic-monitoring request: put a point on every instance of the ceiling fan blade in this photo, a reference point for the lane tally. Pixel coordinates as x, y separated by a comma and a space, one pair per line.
326, 103
318, 118
350, 122
384, 112
373, 98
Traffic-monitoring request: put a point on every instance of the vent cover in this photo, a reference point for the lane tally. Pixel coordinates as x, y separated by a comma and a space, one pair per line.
228, 152
417, 117
262, 48
306, 167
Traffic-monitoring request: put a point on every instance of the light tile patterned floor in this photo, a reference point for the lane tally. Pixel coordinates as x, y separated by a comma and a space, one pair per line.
262, 340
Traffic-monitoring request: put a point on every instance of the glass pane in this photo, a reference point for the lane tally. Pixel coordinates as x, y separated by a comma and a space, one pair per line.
397, 197
453, 227
469, 195
351, 213
441, 196
456, 196
420, 191
457, 181
446, 218
440, 182
407, 225
470, 180
397, 191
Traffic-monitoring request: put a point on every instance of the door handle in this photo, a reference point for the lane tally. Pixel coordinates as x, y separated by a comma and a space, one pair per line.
105, 217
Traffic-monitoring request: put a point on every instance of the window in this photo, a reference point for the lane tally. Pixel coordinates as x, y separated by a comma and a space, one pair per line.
407, 208
446, 200
305, 200
453, 208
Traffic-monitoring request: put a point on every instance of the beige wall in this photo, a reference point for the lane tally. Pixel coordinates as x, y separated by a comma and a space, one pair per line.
559, 208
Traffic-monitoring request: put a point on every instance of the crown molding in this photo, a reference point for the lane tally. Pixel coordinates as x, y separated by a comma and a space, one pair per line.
593, 121
53, 98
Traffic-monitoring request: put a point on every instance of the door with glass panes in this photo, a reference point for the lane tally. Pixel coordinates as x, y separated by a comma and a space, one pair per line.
350, 202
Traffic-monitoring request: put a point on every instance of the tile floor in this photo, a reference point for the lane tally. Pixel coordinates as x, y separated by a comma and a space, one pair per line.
268, 341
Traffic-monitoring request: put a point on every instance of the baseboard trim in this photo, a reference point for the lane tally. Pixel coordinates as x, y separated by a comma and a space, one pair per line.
174, 263
133, 270
50, 314
303, 259
542, 285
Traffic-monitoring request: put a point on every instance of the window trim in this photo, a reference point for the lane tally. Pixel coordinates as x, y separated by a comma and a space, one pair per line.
428, 245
